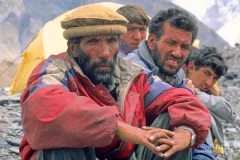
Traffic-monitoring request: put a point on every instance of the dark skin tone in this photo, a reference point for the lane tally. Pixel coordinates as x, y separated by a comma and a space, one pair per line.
105, 48
170, 51
147, 137
203, 78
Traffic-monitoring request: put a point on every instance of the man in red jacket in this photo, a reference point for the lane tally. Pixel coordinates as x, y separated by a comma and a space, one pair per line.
87, 103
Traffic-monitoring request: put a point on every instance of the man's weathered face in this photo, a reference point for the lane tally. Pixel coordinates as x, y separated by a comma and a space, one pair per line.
171, 49
203, 78
97, 58
135, 34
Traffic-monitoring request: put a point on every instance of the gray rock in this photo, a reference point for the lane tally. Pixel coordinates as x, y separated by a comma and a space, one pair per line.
14, 150
13, 141
232, 130
4, 144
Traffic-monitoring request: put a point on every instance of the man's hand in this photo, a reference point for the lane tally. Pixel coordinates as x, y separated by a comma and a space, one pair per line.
160, 137
191, 86
213, 91
144, 137
182, 139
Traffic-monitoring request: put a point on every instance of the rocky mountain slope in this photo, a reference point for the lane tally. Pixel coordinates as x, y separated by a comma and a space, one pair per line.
20, 21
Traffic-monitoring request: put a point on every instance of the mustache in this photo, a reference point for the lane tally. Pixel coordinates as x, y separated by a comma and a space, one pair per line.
102, 63
179, 60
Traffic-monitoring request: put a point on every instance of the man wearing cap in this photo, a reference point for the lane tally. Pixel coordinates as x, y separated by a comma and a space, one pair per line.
87, 103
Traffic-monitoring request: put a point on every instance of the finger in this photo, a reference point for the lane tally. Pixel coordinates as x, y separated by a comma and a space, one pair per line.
153, 130
158, 130
189, 81
150, 146
159, 154
147, 128
162, 148
158, 135
170, 152
196, 92
168, 142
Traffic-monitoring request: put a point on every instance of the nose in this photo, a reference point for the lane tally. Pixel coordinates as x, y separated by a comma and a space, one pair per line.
177, 52
210, 82
137, 35
104, 51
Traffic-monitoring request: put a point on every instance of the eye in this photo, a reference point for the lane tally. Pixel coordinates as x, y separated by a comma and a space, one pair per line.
92, 41
171, 42
142, 29
216, 78
207, 73
186, 47
130, 29
112, 40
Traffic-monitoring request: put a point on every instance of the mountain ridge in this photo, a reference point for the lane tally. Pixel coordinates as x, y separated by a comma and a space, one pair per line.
21, 20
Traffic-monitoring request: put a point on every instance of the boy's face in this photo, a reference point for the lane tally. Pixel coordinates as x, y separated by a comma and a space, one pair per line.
135, 34
203, 78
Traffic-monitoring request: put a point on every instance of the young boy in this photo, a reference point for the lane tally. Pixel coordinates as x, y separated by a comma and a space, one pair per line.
204, 67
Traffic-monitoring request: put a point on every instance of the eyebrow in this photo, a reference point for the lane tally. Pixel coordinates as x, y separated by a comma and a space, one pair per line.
134, 27
175, 40
92, 38
212, 73
208, 71
98, 39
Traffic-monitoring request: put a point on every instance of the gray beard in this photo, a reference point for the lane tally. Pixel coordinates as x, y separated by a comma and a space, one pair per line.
96, 77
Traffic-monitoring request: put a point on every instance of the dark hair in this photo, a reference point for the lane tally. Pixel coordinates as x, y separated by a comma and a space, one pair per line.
176, 17
209, 57
192, 51
76, 40
134, 14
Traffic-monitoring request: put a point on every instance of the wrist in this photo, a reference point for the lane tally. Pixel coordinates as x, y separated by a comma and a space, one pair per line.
189, 132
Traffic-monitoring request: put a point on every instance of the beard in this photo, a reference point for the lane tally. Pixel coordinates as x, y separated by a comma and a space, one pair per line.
166, 75
90, 69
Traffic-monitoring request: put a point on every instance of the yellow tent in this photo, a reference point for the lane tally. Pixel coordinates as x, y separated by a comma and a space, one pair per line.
48, 41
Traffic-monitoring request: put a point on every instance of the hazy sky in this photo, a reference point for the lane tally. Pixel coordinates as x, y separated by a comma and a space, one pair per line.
230, 30
198, 7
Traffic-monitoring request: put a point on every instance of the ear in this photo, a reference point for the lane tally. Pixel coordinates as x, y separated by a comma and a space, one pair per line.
151, 42
191, 67
71, 47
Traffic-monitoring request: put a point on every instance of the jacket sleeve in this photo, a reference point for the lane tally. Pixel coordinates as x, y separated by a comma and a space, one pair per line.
54, 117
183, 107
219, 106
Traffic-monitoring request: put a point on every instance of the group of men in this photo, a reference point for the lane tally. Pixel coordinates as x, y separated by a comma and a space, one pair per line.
115, 95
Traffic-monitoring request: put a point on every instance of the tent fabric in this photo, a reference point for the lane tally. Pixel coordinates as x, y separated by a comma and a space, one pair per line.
48, 41
30, 58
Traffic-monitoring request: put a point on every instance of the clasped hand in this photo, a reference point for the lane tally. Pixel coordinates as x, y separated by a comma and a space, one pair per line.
162, 142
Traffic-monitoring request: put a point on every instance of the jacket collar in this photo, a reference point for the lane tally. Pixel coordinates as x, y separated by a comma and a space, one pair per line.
146, 56
124, 49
